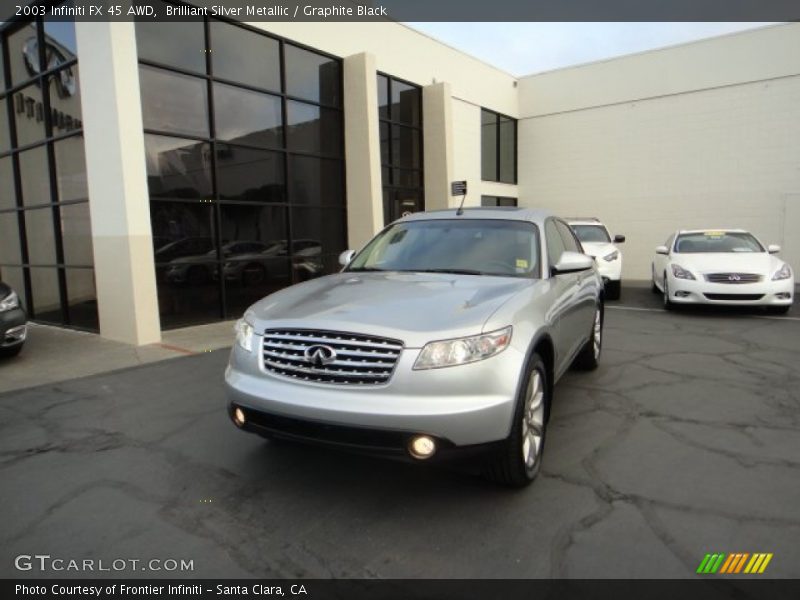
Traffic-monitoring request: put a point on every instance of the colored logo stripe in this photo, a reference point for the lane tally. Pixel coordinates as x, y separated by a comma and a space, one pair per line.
735, 563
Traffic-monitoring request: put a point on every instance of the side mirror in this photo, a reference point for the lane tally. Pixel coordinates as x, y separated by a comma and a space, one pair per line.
572, 262
773, 248
619, 239
346, 256
662, 250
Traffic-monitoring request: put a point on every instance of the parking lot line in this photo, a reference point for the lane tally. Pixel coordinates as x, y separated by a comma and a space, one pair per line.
660, 310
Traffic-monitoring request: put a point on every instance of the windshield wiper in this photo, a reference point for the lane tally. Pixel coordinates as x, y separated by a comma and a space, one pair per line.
453, 271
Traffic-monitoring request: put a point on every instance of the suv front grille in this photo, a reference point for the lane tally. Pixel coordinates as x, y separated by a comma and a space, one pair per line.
733, 277
330, 356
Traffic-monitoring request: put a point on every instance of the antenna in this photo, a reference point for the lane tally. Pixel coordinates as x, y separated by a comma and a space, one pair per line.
460, 210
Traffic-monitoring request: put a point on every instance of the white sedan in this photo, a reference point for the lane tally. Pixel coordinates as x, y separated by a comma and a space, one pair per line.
721, 267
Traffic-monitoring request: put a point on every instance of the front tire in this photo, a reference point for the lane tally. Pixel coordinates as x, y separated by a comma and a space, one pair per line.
519, 460
614, 290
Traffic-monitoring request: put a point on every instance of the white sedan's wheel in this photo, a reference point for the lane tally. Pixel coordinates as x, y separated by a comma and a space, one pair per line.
668, 305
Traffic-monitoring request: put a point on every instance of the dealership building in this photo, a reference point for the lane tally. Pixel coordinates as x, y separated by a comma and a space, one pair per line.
155, 176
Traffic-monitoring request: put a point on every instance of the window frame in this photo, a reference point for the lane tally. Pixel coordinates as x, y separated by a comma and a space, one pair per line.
498, 145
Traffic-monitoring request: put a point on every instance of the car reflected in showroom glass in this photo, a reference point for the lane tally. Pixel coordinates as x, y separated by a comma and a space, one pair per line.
443, 337
13, 326
722, 266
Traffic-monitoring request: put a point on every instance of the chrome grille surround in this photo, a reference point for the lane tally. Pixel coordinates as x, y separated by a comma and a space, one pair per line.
357, 359
733, 277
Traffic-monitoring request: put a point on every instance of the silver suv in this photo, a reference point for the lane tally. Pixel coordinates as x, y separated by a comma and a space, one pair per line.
442, 337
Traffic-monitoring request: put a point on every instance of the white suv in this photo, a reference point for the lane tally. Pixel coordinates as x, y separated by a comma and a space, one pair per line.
597, 242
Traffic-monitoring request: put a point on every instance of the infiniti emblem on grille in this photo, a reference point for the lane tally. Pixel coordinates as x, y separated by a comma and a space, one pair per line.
320, 355
734, 277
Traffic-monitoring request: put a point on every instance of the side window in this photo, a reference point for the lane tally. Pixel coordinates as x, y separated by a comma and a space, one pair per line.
555, 245
571, 243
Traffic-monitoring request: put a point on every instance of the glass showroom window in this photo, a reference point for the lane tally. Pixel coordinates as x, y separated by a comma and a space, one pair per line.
498, 147
244, 150
45, 231
498, 201
400, 115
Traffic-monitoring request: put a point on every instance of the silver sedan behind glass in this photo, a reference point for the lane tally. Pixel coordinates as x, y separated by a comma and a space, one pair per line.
442, 337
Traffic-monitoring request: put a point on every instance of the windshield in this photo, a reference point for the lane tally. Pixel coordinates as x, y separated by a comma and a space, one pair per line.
468, 246
591, 233
716, 241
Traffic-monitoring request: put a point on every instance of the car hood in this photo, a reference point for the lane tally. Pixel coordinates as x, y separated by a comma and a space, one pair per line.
729, 262
598, 248
413, 307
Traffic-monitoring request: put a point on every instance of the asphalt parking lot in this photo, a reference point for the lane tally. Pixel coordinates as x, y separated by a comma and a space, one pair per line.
685, 441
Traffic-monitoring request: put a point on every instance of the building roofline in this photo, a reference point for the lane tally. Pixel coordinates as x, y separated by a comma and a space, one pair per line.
658, 49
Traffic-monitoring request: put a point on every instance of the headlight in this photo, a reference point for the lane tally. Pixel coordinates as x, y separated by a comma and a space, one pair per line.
9, 302
460, 351
244, 334
783, 273
681, 273
612, 256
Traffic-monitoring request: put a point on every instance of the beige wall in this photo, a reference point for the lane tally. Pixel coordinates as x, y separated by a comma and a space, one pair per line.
700, 135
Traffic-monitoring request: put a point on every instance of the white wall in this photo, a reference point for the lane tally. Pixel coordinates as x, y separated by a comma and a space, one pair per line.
700, 135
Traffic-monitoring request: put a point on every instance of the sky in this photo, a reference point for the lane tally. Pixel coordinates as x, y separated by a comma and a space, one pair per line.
525, 48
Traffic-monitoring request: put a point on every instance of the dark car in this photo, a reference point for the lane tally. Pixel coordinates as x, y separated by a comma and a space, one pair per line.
13, 328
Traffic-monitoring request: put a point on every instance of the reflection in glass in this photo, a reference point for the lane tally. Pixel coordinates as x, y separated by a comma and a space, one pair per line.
406, 103
252, 278
488, 146
9, 239
248, 174
246, 117
5, 134
181, 230
33, 169
65, 100
40, 235
313, 129
76, 234
406, 178
172, 102
385, 137
23, 43
316, 181
406, 147
62, 33
71, 169
245, 56
383, 97
188, 295
248, 229
312, 76
82, 298
7, 195
29, 115
177, 44
323, 226
178, 168
13, 277
46, 295
508, 150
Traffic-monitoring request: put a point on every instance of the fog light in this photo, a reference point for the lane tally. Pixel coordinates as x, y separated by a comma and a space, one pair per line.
682, 294
783, 296
238, 417
422, 447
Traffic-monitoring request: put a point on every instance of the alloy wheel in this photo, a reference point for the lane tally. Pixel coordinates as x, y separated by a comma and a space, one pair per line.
533, 419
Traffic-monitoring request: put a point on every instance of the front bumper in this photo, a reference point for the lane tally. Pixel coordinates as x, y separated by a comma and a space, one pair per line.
460, 406
609, 271
13, 328
699, 291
